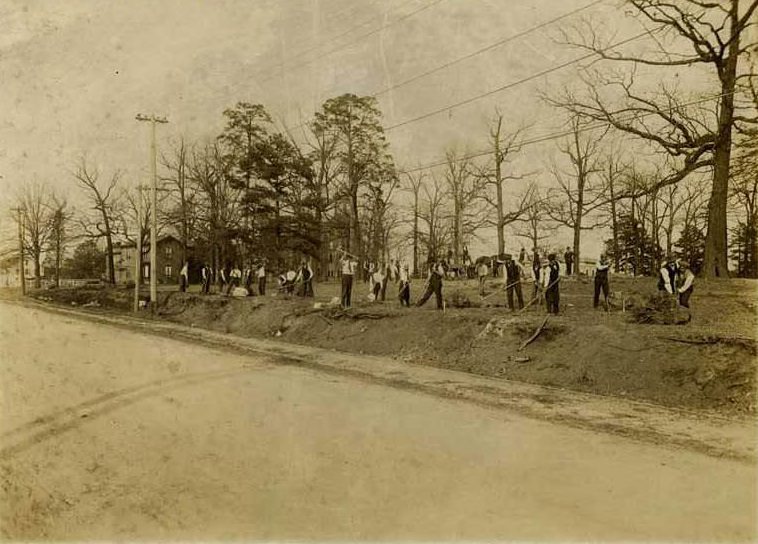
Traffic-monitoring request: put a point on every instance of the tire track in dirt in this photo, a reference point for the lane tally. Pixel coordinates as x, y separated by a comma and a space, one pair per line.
640, 420
51, 425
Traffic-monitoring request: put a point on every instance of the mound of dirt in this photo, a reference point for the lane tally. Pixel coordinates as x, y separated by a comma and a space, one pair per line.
660, 310
709, 363
87, 297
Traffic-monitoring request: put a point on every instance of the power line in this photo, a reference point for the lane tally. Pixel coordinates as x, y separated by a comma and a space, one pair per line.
358, 38
560, 134
330, 40
329, 52
484, 49
489, 47
512, 84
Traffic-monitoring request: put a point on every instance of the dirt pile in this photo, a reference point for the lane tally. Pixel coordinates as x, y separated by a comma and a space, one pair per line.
709, 363
88, 297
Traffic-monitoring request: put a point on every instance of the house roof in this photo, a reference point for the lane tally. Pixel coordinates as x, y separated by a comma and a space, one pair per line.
161, 239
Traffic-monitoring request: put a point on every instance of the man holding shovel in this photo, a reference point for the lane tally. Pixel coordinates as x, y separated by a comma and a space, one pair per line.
513, 273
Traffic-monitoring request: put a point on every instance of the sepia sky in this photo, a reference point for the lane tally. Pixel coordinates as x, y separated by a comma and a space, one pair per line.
75, 73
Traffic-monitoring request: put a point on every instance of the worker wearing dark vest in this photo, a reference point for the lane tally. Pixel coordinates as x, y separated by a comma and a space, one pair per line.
513, 271
551, 281
667, 277
434, 285
601, 282
536, 269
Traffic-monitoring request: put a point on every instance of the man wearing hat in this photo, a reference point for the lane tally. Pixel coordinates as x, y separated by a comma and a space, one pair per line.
552, 280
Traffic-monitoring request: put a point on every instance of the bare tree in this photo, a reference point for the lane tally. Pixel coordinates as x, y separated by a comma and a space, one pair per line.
532, 223
503, 148
711, 33
103, 202
415, 183
60, 217
34, 203
433, 214
323, 154
218, 200
464, 190
182, 194
612, 173
579, 191
134, 220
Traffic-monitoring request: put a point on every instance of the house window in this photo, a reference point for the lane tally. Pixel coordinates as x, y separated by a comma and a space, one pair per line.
169, 251
167, 271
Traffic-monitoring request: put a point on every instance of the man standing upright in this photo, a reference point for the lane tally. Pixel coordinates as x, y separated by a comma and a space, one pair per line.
261, 273
569, 258
348, 271
184, 277
552, 280
206, 273
601, 282
482, 271
404, 289
513, 272
536, 269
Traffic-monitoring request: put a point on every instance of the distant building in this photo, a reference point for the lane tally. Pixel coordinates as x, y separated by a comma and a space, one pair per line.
10, 273
169, 260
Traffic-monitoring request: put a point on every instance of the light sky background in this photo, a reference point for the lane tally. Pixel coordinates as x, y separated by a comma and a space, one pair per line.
75, 73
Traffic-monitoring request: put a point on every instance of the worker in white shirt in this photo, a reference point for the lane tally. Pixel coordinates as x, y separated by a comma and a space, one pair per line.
551, 281
404, 289
184, 277
349, 266
261, 273
482, 271
376, 280
601, 282
667, 276
434, 285
687, 285
207, 273
235, 278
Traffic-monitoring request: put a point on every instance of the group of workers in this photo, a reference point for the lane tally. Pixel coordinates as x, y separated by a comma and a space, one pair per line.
675, 278
228, 279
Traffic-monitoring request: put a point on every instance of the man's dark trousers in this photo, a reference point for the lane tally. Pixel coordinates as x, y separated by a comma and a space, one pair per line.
347, 289
601, 283
516, 286
435, 286
552, 299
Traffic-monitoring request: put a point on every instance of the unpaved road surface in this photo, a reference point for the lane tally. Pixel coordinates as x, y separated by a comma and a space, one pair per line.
111, 434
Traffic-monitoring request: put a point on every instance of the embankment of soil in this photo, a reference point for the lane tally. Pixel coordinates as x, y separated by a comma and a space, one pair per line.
707, 364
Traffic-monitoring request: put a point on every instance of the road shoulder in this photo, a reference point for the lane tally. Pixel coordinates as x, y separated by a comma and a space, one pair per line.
710, 434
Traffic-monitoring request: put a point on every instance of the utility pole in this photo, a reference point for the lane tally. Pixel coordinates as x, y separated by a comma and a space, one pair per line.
138, 259
21, 272
154, 203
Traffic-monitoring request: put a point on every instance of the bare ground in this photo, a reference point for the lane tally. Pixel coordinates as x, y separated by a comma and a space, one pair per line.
707, 364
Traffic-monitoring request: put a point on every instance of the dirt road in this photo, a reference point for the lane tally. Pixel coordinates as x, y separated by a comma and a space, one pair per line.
113, 434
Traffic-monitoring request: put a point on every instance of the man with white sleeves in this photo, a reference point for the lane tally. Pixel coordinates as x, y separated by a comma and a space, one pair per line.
687, 286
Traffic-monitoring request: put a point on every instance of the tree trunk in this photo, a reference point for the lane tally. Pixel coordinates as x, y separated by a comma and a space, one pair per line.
58, 251
715, 263
500, 221
614, 223
109, 249
578, 224
415, 235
